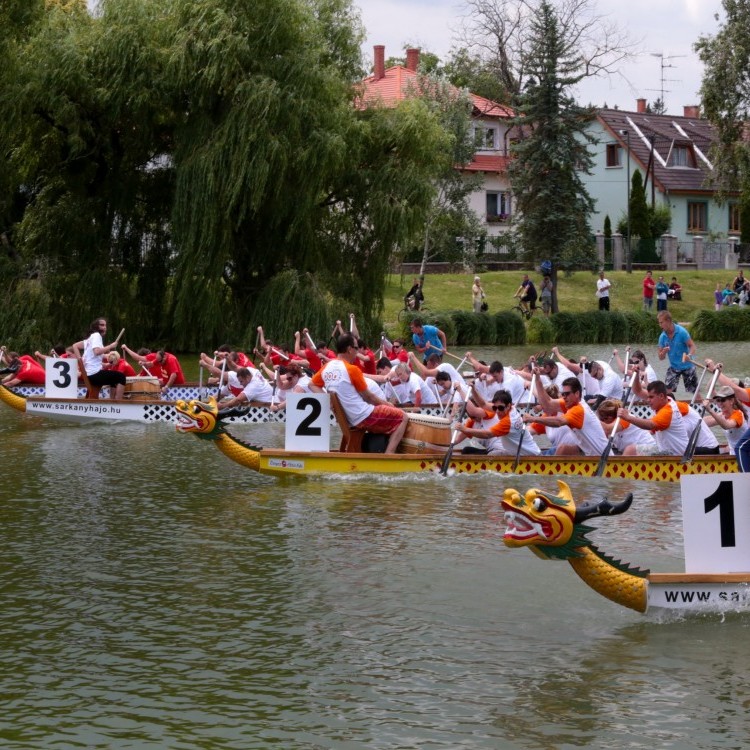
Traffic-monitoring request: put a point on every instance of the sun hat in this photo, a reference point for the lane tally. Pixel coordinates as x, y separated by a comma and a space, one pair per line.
723, 391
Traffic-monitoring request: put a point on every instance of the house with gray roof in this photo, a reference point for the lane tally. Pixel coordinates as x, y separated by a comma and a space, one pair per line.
673, 155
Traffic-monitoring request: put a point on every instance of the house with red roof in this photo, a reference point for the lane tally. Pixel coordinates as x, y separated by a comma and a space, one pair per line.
493, 202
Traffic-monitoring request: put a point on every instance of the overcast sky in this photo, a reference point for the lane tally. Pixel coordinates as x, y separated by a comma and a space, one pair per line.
663, 27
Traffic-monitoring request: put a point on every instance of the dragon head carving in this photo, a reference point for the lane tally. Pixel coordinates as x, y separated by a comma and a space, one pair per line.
552, 525
202, 418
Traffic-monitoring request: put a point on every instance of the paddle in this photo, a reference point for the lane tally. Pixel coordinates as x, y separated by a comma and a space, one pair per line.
523, 428
687, 457
119, 336
310, 341
611, 441
445, 352
281, 354
687, 358
449, 452
221, 377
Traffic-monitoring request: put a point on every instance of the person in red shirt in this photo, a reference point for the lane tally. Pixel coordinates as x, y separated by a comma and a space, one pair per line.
316, 357
119, 364
396, 352
648, 291
160, 364
22, 369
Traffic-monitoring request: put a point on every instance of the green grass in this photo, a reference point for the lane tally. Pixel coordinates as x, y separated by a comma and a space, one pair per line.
576, 293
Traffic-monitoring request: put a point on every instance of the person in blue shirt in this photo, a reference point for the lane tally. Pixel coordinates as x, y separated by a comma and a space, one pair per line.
662, 294
427, 339
674, 342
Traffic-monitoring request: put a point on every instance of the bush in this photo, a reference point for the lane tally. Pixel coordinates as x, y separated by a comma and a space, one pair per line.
541, 331
509, 329
731, 324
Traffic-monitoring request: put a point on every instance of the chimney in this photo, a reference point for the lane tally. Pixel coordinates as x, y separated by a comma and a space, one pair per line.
693, 111
640, 106
379, 71
412, 59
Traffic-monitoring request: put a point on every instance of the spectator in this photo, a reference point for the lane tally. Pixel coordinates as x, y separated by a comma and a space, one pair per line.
526, 293
545, 295
477, 294
648, 291
739, 282
662, 294
602, 291
727, 295
414, 297
718, 297
675, 290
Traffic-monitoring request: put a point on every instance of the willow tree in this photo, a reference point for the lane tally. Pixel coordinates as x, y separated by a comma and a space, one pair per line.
277, 169
552, 151
83, 115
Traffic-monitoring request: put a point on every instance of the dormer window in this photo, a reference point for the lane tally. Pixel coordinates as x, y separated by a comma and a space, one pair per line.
682, 155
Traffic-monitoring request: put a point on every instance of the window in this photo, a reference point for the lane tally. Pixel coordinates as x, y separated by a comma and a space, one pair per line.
614, 152
498, 206
681, 156
697, 217
734, 218
486, 138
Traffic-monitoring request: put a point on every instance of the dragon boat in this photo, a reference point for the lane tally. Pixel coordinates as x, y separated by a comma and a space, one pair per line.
555, 528
206, 421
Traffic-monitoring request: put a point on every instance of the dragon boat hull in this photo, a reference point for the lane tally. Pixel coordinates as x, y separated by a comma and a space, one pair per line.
278, 463
695, 592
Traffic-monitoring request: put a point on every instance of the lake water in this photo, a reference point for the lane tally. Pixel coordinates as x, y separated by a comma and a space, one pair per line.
157, 595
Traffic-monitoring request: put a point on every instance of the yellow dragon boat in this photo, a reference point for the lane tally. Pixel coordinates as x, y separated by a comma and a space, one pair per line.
554, 528
205, 421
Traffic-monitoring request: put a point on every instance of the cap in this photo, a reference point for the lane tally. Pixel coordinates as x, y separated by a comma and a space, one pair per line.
723, 391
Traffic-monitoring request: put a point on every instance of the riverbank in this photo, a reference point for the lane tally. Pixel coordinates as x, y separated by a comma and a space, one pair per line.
576, 292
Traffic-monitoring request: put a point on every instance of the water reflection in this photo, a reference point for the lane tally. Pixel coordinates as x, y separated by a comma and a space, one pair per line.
157, 595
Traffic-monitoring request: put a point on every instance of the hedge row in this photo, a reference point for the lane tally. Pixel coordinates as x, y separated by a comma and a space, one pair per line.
509, 329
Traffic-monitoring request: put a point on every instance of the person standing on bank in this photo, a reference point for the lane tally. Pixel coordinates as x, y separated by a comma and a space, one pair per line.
545, 295
648, 291
602, 291
477, 294
93, 351
662, 294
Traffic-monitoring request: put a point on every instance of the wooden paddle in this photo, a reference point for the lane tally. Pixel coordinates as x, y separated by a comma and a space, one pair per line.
687, 456
449, 452
119, 336
529, 406
615, 426
687, 358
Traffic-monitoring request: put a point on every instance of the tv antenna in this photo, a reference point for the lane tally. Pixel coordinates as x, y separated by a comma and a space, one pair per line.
664, 63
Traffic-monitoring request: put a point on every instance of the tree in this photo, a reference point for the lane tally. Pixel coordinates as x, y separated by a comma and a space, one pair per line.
450, 223
499, 33
640, 223
174, 158
726, 98
552, 151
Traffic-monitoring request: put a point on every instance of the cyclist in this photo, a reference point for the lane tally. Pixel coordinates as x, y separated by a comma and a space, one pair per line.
414, 298
526, 294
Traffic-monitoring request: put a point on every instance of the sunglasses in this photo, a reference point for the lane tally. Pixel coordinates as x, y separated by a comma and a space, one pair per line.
635, 361
723, 398
566, 393
396, 346
499, 407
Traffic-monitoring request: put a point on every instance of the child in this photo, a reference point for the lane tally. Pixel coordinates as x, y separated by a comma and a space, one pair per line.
717, 297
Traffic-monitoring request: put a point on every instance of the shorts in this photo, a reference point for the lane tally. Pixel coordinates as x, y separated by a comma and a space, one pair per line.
107, 377
383, 419
689, 378
546, 304
531, 302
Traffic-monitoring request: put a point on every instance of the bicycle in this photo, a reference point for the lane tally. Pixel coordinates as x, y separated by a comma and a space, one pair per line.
408, 311
525, 312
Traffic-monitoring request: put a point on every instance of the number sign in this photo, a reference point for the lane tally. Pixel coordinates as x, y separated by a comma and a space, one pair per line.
308, 422
716, 523
60, 378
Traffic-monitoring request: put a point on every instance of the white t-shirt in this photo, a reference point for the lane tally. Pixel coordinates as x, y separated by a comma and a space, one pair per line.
602, 288
92, 363
259, 389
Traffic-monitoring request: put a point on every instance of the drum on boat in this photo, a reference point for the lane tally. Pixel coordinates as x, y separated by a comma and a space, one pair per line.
142, 389
426, 434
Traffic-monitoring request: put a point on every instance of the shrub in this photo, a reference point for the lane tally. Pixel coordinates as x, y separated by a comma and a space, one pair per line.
509, 329
541, 331
732, 324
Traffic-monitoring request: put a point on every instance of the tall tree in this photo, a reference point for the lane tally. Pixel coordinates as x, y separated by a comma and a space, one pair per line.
552, 150
725, 95
499, 32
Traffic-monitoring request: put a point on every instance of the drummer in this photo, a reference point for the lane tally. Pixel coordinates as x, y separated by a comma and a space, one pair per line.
159, 364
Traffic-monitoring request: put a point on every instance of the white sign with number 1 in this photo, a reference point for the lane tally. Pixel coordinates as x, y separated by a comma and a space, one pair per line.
716, 523
61, 378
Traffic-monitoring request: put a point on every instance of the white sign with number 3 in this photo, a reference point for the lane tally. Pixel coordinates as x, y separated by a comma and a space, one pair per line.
716, 523
60, 378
